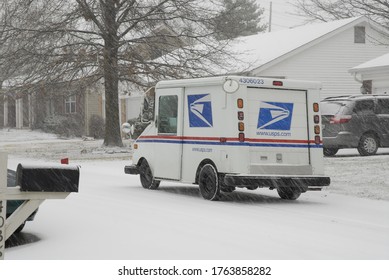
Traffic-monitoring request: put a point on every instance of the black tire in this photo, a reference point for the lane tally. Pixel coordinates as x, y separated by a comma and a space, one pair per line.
209, 182
368, 145
20, 228
224, 187
146, 176
227, 189
329, 152
288, 193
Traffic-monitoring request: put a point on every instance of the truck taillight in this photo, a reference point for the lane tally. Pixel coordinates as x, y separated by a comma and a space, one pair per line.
317, 129
278, 83
240, 116
340, 119
316, 107
316, 120
241, 126
240, 103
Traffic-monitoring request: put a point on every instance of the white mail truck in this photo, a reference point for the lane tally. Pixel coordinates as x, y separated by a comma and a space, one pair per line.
233, 132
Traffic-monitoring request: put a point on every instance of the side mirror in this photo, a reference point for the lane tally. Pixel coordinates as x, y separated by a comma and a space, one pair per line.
128, 128
145, 104
147, 114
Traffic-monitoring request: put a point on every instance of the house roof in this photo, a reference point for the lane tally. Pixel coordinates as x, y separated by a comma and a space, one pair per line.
266, 49
379, 63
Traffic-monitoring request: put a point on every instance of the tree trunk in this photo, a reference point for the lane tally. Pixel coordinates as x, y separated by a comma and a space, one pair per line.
111, 78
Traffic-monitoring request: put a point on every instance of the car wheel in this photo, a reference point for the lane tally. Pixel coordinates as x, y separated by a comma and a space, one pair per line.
209, 182
368, 145
329, 152
288, 193
146, 177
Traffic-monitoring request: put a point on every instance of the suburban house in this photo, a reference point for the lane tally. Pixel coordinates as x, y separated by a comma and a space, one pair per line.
31, 107
68, 108
374, 74
320, 52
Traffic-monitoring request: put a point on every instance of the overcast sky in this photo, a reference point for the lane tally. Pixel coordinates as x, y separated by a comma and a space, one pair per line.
283, 15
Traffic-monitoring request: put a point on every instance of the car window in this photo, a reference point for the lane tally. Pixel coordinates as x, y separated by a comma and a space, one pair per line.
383, 106
331, 108
364, 107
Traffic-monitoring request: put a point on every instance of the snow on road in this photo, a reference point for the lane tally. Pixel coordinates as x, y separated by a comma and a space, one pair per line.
113, 217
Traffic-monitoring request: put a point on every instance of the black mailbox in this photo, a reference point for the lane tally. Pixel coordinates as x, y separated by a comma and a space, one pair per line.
53, 178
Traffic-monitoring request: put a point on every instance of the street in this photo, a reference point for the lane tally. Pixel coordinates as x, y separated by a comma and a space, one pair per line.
113, 217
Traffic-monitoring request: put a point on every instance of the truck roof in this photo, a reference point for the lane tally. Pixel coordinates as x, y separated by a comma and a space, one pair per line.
242, 80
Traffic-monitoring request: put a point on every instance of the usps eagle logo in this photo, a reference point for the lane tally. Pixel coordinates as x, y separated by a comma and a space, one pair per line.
200, 110
275, 116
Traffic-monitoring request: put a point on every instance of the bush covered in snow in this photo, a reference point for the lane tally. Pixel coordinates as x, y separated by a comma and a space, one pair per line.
96, 127
63, 125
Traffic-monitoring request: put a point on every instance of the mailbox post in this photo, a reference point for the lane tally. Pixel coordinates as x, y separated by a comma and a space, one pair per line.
3, 202
35, 184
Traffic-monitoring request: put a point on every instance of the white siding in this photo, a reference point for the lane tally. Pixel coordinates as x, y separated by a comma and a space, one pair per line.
133, 104
380, 82
329, 62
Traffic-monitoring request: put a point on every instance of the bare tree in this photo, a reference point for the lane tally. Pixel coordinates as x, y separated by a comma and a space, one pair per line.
325, 10
113, 40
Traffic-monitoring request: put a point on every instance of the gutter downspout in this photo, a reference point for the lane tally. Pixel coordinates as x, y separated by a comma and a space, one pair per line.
359, 80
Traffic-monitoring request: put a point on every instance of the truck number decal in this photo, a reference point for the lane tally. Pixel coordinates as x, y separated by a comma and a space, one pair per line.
275, 116
200, 110
251, 81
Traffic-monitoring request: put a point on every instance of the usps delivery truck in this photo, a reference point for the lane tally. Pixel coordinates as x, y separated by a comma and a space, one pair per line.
233, 132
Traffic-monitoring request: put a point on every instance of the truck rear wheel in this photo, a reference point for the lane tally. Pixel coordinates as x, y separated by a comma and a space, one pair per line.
146, 177
329, 152
288, 193
209, 182
20, 228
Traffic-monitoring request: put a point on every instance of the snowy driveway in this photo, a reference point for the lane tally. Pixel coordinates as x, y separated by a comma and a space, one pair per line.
112, 217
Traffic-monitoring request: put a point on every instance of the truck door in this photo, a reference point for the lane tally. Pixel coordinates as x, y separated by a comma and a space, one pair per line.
168, 146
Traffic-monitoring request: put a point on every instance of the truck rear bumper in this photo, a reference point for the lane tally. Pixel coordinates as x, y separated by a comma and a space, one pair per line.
276, 181
131, 169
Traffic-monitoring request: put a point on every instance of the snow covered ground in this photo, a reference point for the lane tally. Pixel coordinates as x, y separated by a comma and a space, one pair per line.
113, 217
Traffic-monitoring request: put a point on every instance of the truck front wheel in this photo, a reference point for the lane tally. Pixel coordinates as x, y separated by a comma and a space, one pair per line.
209, 182
146, 177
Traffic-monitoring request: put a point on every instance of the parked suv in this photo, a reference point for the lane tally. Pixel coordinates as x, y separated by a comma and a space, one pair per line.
358, 121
